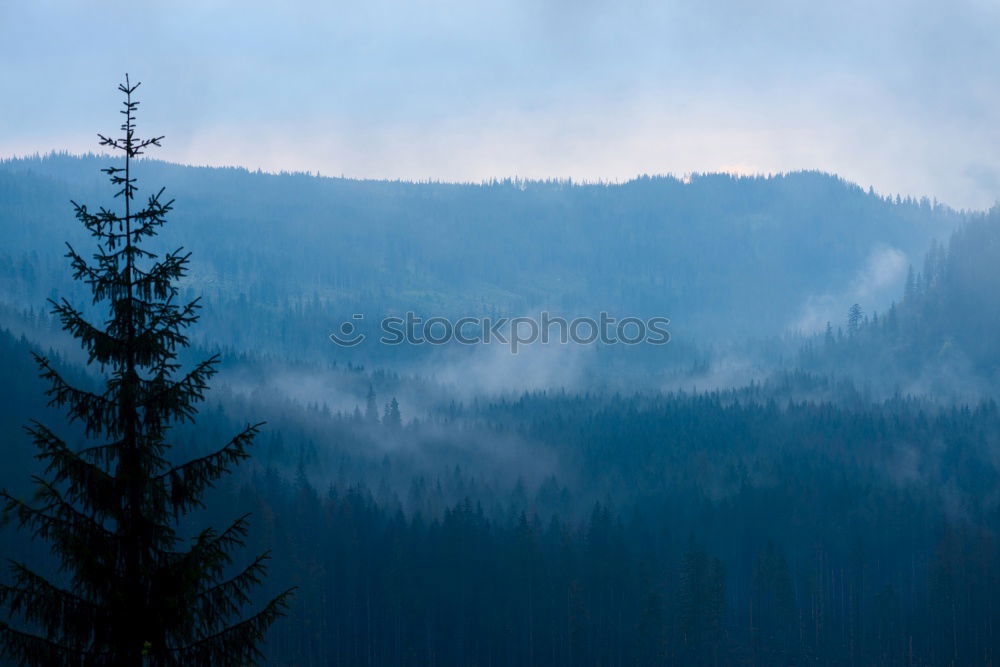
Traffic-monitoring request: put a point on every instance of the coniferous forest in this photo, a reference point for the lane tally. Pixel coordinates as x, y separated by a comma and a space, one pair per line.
241, 423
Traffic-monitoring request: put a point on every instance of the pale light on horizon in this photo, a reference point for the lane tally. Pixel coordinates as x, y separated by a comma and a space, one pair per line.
900, 97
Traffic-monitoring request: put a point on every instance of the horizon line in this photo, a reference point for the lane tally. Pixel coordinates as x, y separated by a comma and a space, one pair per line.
685, 179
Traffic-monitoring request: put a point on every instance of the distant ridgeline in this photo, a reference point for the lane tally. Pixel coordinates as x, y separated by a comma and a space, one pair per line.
941, 338
283, 258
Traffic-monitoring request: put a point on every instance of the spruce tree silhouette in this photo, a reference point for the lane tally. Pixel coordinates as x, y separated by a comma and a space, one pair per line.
136, 592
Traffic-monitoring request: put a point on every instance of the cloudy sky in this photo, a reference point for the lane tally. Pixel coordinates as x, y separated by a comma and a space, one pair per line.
900, 95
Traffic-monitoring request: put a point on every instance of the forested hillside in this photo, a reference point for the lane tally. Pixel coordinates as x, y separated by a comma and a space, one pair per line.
940, 337
818, 507
733, 527
722, 256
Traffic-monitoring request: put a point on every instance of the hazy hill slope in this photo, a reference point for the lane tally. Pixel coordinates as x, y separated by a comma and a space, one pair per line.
941, 337
720, 255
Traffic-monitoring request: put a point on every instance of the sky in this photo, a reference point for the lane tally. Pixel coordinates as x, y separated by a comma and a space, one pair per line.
903, 96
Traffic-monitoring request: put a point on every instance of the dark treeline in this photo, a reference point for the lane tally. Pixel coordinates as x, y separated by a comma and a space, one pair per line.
744, 552
383, 588
736, 527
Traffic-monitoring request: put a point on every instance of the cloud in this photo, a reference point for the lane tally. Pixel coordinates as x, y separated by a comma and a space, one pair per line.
884, 269
875, 285
487, 370
899, 95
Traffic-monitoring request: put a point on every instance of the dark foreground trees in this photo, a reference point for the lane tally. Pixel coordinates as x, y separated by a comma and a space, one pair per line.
134, 590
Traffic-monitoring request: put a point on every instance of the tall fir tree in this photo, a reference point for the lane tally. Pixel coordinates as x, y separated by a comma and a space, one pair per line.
135, 592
